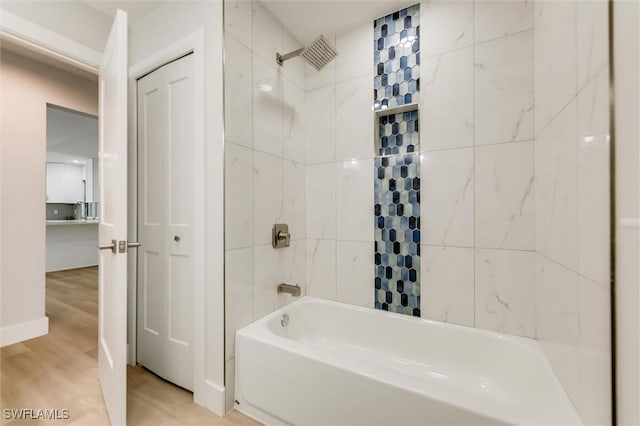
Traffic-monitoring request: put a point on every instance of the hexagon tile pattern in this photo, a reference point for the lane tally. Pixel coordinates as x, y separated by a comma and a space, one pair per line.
396, 57
397, 234
398, 133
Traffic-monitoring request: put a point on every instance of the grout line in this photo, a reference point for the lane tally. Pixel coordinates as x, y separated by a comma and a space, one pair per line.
517, 33
578, 274
475, 181
335, 176
573, 97
535, 181
532, 250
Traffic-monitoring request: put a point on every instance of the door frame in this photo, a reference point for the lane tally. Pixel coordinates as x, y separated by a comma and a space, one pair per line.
191, 44
49, 43
208, 390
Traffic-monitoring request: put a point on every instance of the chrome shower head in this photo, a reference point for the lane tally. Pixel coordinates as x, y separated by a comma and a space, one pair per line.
318, 54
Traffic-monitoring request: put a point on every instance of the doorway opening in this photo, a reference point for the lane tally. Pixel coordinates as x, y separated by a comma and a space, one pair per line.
71, 196
59, 369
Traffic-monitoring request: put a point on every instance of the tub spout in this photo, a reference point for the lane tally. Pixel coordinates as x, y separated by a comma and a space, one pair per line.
293, 290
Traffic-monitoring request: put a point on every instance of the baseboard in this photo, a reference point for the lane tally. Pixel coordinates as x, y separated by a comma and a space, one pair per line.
24, 331
213, 398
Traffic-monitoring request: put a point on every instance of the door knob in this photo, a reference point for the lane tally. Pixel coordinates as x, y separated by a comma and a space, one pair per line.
113, 246
119, 246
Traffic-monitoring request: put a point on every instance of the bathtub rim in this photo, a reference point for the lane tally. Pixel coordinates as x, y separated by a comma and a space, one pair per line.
259, 331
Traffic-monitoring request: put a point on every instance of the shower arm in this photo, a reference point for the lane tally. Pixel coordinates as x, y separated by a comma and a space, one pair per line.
280, 59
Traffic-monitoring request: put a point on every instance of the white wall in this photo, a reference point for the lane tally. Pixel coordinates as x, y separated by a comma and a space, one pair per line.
264, 165
627, 107
163, 27
27, 86
572, 199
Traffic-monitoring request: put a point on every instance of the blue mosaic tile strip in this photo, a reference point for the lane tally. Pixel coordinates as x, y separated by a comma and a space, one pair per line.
397, 233
398, 133
396, 58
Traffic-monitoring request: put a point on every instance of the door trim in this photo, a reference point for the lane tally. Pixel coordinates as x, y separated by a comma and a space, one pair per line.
49, 43
204, 391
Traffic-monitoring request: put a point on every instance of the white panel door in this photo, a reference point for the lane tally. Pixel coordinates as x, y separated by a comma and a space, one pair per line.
112, 312
165, 206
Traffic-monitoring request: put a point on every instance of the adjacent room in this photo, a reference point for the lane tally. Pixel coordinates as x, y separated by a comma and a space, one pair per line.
299, 212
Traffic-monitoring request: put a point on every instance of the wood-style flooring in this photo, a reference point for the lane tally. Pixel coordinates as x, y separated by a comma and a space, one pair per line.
59, 370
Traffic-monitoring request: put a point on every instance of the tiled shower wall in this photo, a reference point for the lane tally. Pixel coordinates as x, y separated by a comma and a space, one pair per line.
499, 250
473, 275
340, 174
478, 252
502, 250
572, 199
264, 168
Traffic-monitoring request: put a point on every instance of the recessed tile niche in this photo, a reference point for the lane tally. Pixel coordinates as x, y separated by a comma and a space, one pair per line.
397, 162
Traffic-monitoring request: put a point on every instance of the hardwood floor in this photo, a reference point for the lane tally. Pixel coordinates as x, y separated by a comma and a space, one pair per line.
59, 370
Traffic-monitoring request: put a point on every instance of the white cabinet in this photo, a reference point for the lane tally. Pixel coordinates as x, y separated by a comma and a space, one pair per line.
55, 183
73, 187
64, 183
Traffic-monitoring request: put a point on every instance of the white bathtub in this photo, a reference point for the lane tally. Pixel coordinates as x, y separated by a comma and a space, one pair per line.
338, 364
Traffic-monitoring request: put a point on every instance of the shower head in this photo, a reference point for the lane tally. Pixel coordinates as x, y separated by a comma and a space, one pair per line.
317, 54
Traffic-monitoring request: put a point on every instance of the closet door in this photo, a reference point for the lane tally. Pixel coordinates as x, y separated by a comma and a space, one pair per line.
165, 209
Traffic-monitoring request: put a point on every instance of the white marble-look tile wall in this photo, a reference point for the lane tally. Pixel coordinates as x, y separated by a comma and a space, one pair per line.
515, 193
339, 143
448, 177
572, 199
447, 284
477, 131
555, 58
446, 119
505, 291
504, 205
503, 75
265, 171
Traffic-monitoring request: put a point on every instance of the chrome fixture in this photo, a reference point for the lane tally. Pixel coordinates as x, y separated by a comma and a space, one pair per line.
294, 290
119, 246
318, 54
284, 321
113, 247
280, 236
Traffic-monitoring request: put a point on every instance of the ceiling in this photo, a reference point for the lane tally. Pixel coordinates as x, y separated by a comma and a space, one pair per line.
307, 19
71, 135
135, 9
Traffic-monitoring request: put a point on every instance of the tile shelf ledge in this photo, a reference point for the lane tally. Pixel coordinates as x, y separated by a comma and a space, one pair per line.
396, 109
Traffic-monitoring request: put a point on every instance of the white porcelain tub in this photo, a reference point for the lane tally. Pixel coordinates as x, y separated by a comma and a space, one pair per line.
338, 364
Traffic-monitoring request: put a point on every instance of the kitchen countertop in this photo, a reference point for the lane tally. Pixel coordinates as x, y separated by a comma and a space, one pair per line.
72, 222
